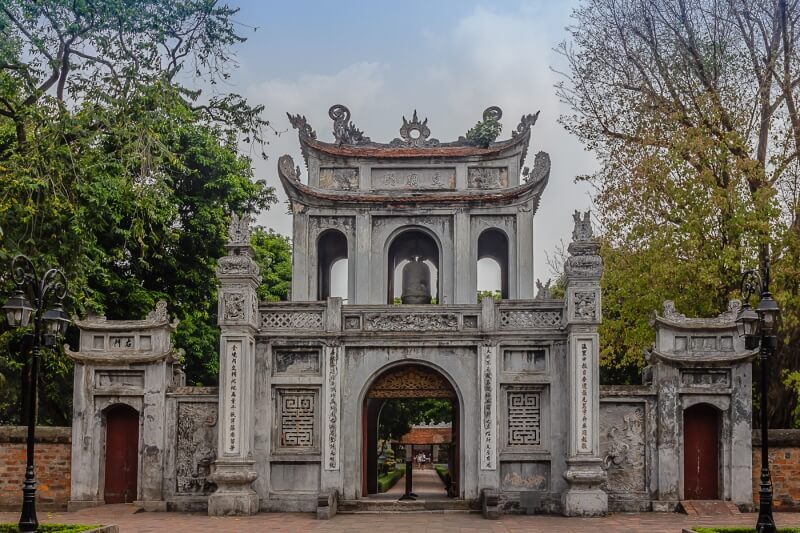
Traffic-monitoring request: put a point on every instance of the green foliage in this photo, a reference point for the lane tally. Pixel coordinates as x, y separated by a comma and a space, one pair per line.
388, 480
398, 415
49, 528
485, 131
495, 295
273, 253
114, 169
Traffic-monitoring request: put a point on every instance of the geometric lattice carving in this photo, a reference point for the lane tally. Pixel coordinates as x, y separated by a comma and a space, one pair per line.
297, 416
291, 320
529, 319
524, 418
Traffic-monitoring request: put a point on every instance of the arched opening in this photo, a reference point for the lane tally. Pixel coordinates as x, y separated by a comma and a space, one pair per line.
411, 424
413, 268
493, 263
332, 251
701, 452
122, 454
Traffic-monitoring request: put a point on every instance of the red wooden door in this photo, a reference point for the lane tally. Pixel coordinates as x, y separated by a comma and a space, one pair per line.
700, 453
455, 475
122, 454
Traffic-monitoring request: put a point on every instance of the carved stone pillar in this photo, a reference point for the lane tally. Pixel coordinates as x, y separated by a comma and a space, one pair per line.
585, 473
234, 470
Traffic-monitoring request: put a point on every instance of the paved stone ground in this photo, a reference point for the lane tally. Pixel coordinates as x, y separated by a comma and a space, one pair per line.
129, 521
424, 483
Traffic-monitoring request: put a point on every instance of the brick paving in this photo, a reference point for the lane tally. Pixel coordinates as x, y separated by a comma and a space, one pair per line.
129, 521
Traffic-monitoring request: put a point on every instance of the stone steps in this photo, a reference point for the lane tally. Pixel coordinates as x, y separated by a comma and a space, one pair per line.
709, 508
366, 506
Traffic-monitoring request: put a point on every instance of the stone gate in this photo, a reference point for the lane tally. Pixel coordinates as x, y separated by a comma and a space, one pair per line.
291, 425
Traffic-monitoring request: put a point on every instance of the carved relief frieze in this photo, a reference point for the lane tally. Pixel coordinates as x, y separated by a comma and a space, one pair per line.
237, 265
487, 177
196, 447
584, 265
622, 447
405, 382
233, 306
340, 179
411, 322
584, 305
319, 224
295, 361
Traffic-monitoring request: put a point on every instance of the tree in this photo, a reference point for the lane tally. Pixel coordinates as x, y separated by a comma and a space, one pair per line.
398, 415
691, 108
114, 168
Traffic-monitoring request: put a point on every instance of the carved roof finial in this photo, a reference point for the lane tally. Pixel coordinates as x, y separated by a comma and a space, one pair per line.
302, 126
583, 227
525, 123
239, 230
344, 130
408, 138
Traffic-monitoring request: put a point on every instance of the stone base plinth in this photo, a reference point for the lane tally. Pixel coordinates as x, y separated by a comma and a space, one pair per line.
578, 502
584, 496
152, 506
77, 505
234, 495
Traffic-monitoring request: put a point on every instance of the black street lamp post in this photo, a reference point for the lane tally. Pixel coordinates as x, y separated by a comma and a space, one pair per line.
759, 328
30, 302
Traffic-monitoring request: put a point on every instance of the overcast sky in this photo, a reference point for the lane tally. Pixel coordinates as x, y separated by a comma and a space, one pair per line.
449, 60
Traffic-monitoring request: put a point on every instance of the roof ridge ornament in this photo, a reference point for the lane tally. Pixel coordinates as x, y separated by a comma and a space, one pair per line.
302, 126
423, 132
582, 231
344, 130
525, 123
239, 230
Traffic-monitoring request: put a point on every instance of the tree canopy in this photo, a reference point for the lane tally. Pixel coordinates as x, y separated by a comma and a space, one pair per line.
119, 163
691, 108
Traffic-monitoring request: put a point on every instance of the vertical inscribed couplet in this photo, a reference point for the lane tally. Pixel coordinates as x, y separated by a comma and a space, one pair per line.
233, 399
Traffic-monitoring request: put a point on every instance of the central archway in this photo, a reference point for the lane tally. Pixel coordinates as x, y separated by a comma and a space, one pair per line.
412, 381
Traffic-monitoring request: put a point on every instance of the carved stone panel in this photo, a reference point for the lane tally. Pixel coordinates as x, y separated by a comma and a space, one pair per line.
233, 306
524, 319
412, 179
297, 418
306, 320
411, 382
343, 179
525, 360
525, 476
487, 178
119, 378
295, 361
622, 447
712, 378
523, 418
585, 305
196, 447
411, 321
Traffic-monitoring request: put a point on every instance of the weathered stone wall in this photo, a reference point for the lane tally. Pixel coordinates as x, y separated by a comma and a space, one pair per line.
52, 457
784, 460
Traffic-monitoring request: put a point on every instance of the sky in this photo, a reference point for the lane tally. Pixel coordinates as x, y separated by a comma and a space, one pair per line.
449, 60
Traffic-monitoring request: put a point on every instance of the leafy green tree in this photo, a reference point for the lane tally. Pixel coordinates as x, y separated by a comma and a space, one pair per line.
691, 108
398, 415
116, 169
273, 253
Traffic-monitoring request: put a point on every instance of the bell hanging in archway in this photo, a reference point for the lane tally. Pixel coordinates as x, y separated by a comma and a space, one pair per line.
416, 283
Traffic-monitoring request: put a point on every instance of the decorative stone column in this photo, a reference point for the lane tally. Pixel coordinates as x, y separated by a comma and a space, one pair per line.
585, 473
234, 470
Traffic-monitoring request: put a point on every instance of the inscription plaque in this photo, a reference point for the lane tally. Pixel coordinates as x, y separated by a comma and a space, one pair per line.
413, 178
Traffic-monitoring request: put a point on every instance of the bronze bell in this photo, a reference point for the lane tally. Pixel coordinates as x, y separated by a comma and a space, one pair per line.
416, 283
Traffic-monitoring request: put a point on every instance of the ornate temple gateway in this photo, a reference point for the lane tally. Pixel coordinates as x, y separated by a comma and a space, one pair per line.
293, 425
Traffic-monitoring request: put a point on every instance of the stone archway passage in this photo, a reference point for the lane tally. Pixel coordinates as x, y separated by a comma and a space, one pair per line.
406, 381
122, 454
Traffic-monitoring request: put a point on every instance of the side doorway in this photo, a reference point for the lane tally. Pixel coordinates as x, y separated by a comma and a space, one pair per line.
122, 454
701, 452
